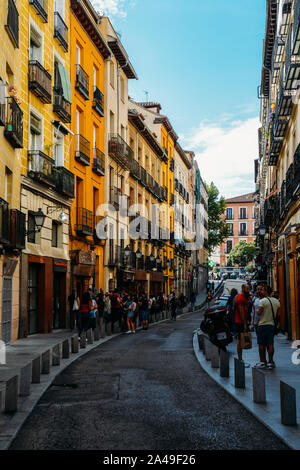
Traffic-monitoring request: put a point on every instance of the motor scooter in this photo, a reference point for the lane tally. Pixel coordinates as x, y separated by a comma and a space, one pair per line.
216, 326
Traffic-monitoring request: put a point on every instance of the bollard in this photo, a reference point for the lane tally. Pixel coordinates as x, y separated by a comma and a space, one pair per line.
46, 360
288, 405
224, 363
97, 334
83, 340
56, 355
36, 370
74, 344
215, 357
259, 386
25, 380
90, 336
66, 349
200, 341
108, 329
207, 349
11, 395
239, 373
102, 330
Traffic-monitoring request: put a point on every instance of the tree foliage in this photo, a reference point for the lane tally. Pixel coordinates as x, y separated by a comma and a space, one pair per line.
242, 254
218, 229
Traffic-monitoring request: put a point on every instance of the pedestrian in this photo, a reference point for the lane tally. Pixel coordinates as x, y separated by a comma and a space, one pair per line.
241, 318
85, 312
100, 307
173, 305
130, 315
144, 306
209, 298
208, 286
116, 304
74, 303
213, 286
258, 296
93, 314
193, 300
268, 312
230, 308
107, 309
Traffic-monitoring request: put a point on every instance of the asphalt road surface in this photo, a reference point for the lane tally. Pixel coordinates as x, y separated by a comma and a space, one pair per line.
142, 392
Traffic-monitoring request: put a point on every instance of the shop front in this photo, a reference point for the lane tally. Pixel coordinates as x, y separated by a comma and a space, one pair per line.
59, 311
140, 283
156, 284
83, 270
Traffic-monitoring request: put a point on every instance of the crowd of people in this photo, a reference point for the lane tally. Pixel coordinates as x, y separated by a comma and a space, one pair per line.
255, 310
120, 309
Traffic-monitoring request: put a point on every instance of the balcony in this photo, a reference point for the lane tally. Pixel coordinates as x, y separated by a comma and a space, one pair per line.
82, 153
98, 101
41, 7
284, 102
84, 225
268, 212
4, 222
296, 29
143, 176
135, 169
60, 106
61, 31
283, 199
12, 26
98, 162
172, 199
120, 151
64, 181
243, 234
40, 168
14, 123
17, 229
156, 190
114, 196
172, 165
150, 182
296, 171
39, 81
292, 66
176, 184
97, 219
82, 82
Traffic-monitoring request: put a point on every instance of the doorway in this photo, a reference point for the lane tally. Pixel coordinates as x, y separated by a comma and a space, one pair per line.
33, 302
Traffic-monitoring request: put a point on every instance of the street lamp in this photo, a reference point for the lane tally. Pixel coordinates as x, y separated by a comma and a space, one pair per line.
139, 254
127, 251
39, 219
152, 257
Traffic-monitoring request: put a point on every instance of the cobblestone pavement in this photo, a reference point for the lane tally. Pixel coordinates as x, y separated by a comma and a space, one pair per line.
142, 392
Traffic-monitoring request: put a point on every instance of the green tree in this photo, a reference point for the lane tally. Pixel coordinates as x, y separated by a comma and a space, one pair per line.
242, 254
218, 229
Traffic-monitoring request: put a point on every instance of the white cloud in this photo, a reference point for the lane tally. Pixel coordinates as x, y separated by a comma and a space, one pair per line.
112, 7
225, 152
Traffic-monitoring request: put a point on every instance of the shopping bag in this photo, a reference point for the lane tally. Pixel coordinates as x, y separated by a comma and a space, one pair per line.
246, 341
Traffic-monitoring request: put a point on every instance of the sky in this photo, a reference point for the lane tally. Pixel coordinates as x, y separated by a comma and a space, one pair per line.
201, 59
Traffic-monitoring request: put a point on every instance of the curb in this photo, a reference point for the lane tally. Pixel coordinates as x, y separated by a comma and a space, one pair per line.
206, 367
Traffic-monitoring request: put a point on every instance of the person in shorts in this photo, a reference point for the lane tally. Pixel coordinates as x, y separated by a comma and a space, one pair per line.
241, 316
144, 310
268, 311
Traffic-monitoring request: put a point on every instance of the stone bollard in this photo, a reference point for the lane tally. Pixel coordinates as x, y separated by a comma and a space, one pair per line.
11, 394
259, 386
102, 330
46, 360
74, 344
83, 340
66, 349
239, 373
207, 349
215, 357
56, 355
108, 329
90, 336
224, 364
97, 334
200, 340
25, 380
36, 370
288, 404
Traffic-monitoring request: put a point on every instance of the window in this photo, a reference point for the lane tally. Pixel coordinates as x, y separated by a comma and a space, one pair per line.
35, 142
228, 246
58, 151
31, 228
78, 54
112, 123
112, 74
36, 46
229, 214
243, 213
243, 229
122, 86
8, 185
230, 226
54, 240
95, 76
59, 6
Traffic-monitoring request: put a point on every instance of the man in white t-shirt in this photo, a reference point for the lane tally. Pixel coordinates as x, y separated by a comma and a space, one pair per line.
268, 311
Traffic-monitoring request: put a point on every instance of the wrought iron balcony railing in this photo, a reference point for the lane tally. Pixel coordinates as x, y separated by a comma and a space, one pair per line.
41, 7
143, 176
40, 167
4, 222
99, 162
135, 169
64, 181
292, 66
172, 165
12, 26
289, 189
14, 123
97, 219
165, 193
176, 184
82, 82
84, 225
61, 31
114, 196
82, 153
120, 151
297, 171
39, 81
150, 182
98, 101
60, 106
17, 229
282, 199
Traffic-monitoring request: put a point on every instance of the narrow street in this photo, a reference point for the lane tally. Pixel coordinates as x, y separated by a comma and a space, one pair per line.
141, 392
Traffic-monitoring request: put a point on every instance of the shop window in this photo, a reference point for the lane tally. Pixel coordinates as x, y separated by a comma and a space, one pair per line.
54, 241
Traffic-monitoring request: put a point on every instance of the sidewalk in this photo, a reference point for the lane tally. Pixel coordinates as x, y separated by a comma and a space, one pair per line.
270, 413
